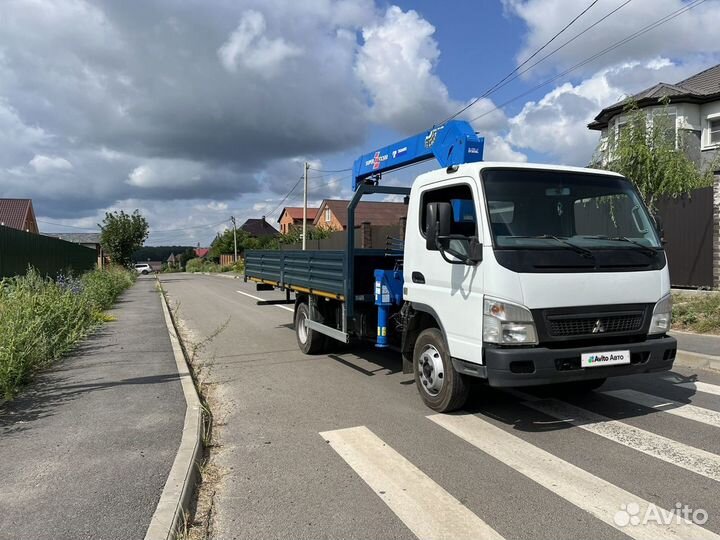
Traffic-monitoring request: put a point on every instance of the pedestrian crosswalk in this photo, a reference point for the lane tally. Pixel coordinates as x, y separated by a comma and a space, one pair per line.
431, 511
689, 412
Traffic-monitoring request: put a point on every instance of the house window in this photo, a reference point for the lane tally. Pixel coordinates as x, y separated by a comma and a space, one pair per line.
328, 215
714, 128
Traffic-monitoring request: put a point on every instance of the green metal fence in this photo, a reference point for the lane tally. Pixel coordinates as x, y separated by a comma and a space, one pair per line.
19, 249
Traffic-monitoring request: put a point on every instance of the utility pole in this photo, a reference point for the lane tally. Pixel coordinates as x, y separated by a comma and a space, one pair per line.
305, 190
232, 218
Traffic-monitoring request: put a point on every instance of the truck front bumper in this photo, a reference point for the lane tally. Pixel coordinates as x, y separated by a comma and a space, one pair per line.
505, 367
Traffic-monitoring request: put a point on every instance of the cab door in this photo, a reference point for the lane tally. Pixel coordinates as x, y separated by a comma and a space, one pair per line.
453, 293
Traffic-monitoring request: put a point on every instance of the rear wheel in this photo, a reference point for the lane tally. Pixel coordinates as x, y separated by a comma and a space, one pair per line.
441, 387
144, 272
309, 341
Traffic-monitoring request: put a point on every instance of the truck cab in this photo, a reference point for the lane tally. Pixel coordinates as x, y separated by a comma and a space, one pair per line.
531, 274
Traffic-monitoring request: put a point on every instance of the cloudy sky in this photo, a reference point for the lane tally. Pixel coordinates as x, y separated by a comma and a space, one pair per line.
195, 110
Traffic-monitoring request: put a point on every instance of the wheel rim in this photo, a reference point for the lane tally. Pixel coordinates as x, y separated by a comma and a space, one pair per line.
431, 370
302, 328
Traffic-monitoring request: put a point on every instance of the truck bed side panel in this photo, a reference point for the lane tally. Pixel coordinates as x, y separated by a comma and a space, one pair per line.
314, 270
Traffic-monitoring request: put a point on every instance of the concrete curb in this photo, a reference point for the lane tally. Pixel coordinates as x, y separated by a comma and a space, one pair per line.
178, 490
697, 360
222, 274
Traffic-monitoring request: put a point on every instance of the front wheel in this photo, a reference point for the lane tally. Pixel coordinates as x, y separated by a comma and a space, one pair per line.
309, 341
441, 387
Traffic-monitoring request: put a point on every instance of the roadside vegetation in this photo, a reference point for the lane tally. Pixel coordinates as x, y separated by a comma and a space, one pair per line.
697, 312
42, 319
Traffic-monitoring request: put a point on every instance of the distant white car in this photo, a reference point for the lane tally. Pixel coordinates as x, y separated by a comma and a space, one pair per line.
143, 268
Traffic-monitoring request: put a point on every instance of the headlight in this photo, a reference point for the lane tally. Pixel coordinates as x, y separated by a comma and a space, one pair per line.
507, 324
662, 316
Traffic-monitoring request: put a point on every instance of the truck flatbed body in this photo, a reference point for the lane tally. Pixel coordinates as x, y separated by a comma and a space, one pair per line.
319, 272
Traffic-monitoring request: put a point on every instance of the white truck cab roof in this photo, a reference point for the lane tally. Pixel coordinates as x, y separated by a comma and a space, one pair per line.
473, 170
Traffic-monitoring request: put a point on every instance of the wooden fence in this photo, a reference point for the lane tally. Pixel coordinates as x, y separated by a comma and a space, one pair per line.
366, 236
49, 256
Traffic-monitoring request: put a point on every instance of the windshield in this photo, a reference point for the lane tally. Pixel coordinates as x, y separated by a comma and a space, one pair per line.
543, 209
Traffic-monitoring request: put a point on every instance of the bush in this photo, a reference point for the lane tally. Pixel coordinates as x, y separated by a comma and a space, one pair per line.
42, 319
202, 265
697, 312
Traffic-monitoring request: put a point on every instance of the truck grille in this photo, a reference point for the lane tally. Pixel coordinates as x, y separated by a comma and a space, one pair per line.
593, 325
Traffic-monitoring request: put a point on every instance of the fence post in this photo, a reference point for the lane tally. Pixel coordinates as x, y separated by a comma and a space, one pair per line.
365, 235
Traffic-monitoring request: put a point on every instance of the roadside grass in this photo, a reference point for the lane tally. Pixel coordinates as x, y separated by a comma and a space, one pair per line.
697, 312
202, 265
197, 520
41, 319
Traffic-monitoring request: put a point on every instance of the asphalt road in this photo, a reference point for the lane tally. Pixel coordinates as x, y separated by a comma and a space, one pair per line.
340, 445
85, 452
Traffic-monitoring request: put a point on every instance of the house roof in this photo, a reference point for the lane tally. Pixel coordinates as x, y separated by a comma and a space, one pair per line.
15, 212
377, 213
259, 227
201, 252
296, 213
77, 238
700, 88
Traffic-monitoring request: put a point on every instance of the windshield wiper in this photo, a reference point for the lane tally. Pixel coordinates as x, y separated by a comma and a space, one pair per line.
645, 250
577, 249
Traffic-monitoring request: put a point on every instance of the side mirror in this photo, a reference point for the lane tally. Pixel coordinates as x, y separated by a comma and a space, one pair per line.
438, 217
475, 250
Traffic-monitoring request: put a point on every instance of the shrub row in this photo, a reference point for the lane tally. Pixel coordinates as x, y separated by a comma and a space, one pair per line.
41, 319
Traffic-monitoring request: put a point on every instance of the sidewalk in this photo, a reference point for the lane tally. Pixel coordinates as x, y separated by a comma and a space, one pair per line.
86, 451
698, 343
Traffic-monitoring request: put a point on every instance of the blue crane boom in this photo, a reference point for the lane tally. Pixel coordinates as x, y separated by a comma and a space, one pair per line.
452, 143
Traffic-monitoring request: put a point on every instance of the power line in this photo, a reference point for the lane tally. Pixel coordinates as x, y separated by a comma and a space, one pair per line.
330, 170
285, 197
595, 56
568, 42
533, 55
70, 226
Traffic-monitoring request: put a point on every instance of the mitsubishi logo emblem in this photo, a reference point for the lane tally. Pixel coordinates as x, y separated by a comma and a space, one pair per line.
376, 161
598, 328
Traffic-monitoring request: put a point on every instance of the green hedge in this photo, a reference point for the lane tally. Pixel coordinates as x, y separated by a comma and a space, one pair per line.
41, 319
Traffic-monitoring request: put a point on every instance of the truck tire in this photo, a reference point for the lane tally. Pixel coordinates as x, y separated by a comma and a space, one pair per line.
309, 341
441, 387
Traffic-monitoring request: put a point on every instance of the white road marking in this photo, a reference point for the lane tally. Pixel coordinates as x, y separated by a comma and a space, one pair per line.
688, 457
684, 410
291, 310
697, 385
588, 492
424, 507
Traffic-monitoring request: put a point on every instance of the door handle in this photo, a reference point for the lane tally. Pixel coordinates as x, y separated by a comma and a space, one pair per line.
417, 277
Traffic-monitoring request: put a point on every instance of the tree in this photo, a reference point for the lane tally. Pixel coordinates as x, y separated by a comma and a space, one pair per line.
121, 234
648, 152
224, 243
294, 234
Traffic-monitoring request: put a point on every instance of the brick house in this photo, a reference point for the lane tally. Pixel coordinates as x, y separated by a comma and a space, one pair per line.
18, 214
692, 224
332, 213
292, 216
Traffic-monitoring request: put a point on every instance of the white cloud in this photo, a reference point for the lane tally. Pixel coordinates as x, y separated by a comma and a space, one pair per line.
249, 46
498, 148
396, 66
43, 164
160, 173
544, 18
